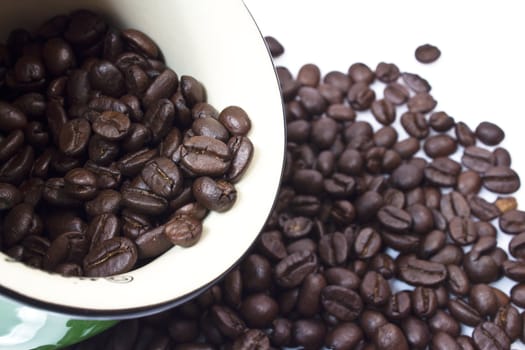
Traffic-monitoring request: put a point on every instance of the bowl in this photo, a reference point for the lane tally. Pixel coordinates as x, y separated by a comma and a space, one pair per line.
219, 44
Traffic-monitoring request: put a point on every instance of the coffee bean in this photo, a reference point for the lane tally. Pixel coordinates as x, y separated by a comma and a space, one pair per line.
384, 111
440, 145
394, 218
343, 303
387, 72
443, 172
415, 124
444, 322
501, 180
396, 93
80, 183
482, 209
415, 82
508, 318
360, 96
344, 336
115, 255
374, 289
502, 157
478, 159
390, 336
427, 53
308, 333
512, 221
464, 135
464, 312
489, 133
442, 341
416, 331
487, 335
291, 271
441, 121
421, 272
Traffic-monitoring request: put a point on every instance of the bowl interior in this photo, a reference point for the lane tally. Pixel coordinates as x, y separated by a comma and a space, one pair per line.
219, 44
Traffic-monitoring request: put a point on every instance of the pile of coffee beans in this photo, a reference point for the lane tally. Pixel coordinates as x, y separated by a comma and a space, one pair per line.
369, 246
107, 158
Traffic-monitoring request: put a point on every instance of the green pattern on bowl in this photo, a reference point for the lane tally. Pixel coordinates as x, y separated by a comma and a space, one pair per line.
23, 327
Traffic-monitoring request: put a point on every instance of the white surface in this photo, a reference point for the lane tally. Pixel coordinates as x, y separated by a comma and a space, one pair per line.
480, 73
219, 44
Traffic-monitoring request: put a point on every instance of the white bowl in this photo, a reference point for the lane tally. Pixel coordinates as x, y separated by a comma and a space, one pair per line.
219, 44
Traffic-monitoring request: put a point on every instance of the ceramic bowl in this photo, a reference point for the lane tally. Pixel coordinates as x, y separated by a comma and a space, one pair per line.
219, 44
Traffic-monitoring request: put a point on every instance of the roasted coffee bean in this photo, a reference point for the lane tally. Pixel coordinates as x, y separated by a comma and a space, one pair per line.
106, 201
311, 100
431, 243
464, 312
462, 230
143, 201
449, 254
9, 196
457, 280
424, 302
444, 341
512, 221
483, 299
360, 96
17, 224
407, 147
515, 270
308, 333
396, 93
398, 306
416, 331
256, 273
69, 247
443, 172
343, 303
427, 53
115, 255
501, 180
203, 155
375, 289
11, 144
488, 335
464, 134
111, 125
508, 318
468, 182
415, 82
502, 157
387, 72
384, 111
80, 183
163, 177
308, 300
163, 86
517, 295
415, 124
489, 133
291, 271
517, 245
441, 145
367, 205
477, 159
183, 230
441, 121
346, 335
390, 336
444, 322
482, 209
309, 75
333, 249
102, 228
152, 243
342, 277
394, 219
421, 272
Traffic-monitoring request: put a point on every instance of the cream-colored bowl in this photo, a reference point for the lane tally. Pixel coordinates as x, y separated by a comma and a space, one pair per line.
218, 43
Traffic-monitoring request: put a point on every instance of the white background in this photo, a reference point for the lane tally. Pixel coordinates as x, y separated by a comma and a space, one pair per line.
479, 76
